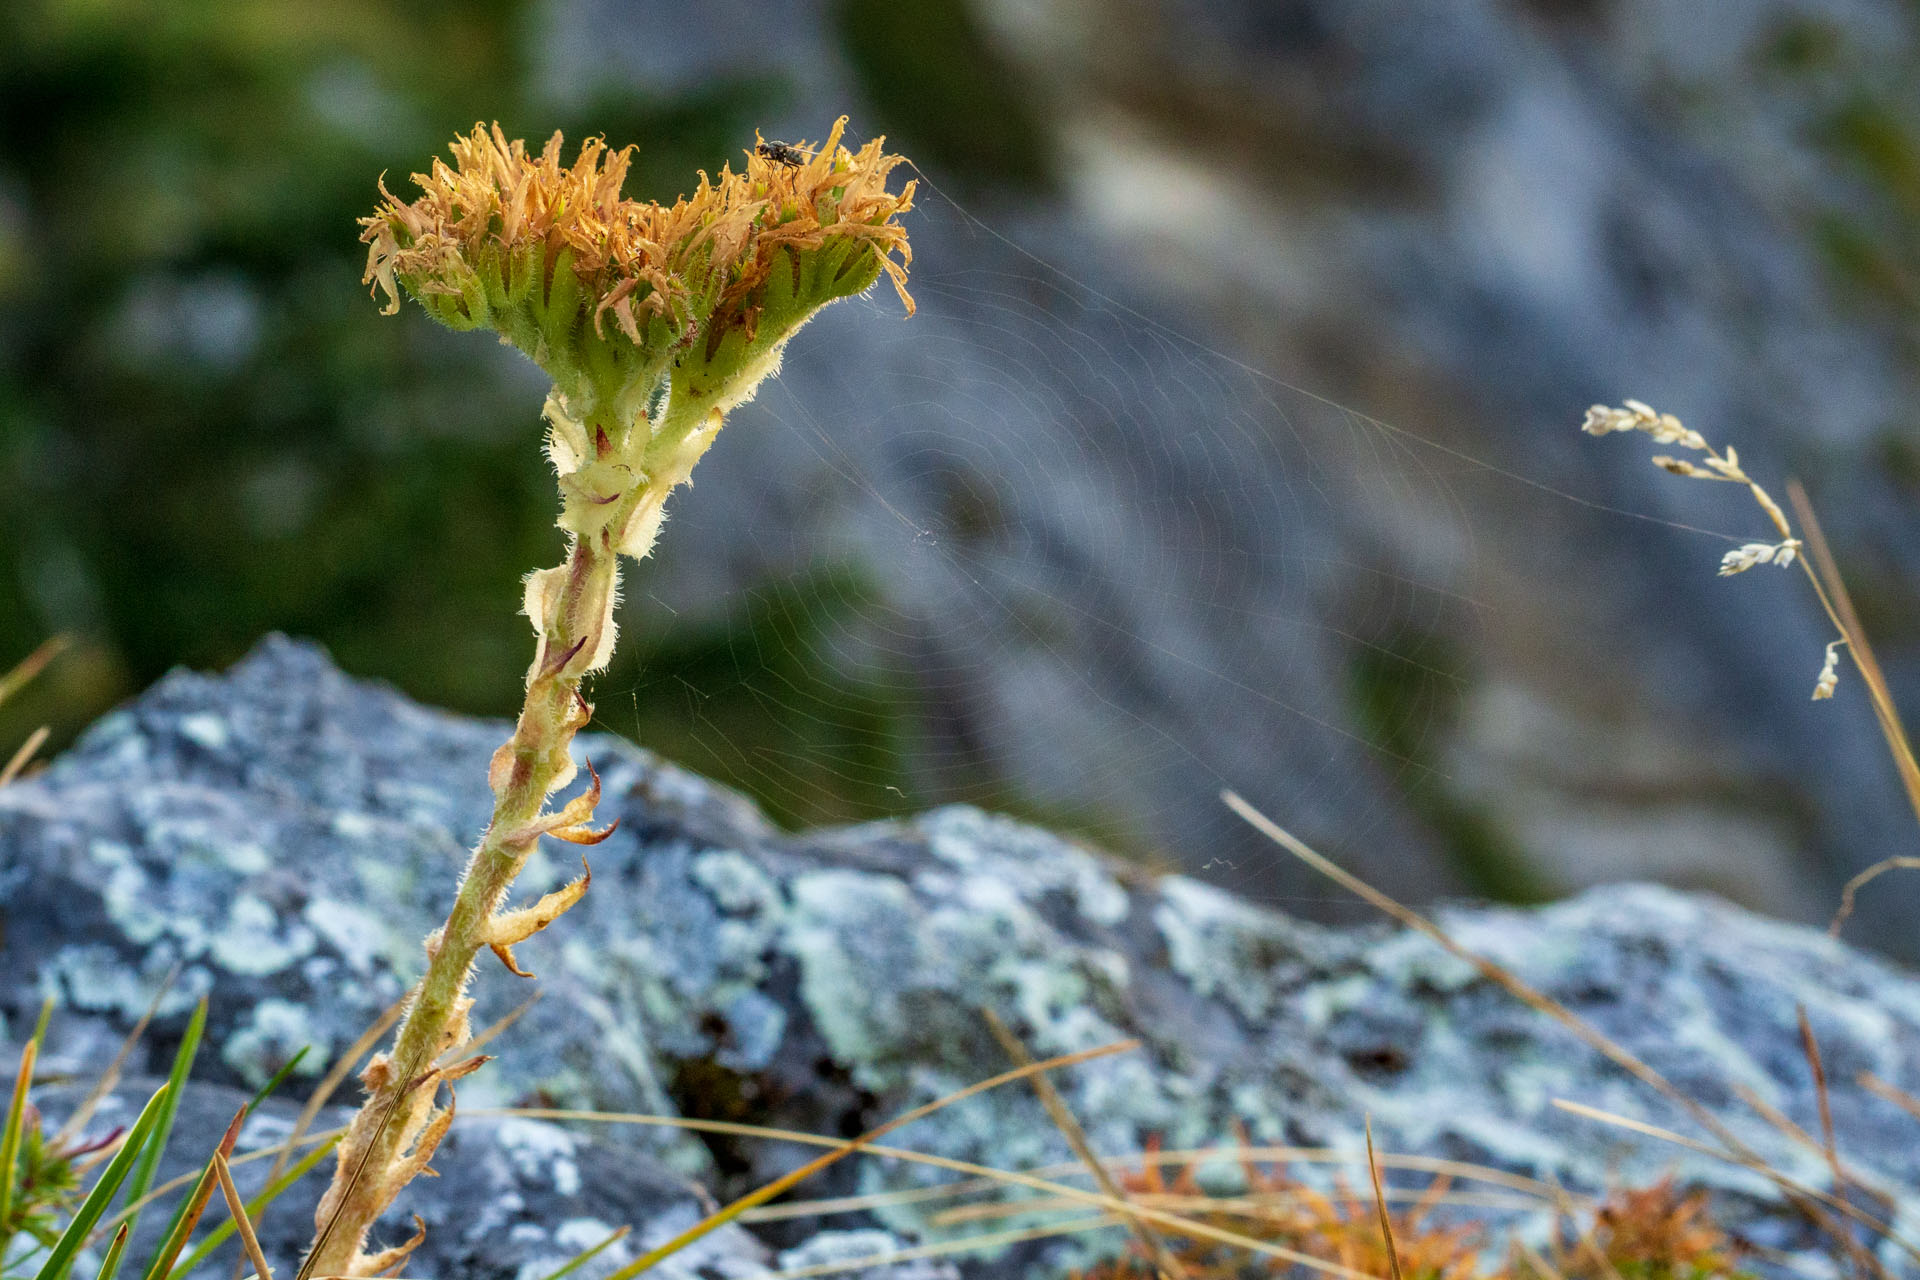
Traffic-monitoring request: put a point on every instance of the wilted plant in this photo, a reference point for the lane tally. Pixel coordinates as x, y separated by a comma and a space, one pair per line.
652, 321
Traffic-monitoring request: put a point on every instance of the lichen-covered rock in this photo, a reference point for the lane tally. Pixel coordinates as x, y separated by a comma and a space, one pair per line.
285, 835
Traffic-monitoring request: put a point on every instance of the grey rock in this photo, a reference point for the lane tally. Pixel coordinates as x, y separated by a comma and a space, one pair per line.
285, 835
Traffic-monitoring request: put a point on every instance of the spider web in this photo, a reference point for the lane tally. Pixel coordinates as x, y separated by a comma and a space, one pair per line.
1059, 546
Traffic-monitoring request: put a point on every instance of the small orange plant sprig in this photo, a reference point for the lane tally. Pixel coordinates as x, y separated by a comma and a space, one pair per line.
652, 321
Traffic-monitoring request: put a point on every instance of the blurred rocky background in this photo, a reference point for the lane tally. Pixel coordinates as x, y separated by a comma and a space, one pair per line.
1093, 535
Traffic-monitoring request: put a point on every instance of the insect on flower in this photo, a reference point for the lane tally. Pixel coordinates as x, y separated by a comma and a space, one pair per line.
781, 153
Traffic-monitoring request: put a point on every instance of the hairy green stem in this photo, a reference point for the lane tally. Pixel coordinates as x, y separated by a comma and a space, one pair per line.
533, 761
614, 490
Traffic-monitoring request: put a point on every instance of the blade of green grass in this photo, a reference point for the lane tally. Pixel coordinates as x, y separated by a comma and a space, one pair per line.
176, 1083
10, 1136
218, 1236
108, 1185
272, 1086
114, 1250
588, 1255
40, 1023
266, 1091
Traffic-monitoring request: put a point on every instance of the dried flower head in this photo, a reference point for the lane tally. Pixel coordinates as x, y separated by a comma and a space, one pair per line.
605, 292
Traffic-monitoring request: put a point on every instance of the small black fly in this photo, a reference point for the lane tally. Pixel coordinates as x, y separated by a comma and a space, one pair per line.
782, 153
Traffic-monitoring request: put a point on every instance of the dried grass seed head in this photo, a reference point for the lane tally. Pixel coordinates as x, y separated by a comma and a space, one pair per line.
1829, 678
1743, 558
1635, 416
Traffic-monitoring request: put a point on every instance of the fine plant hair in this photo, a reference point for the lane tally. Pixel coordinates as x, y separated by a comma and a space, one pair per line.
653, 321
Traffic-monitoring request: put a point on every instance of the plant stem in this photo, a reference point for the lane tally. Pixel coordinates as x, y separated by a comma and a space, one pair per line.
534, 760
571, 606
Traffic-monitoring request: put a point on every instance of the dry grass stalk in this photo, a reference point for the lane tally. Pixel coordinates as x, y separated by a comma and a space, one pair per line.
1823, 1209
21, 758
1171, 1223
1889, 1092
1520, 1192
1529, 995
21, 675
1380, 1202
714, 1221
1798, 1133
949, 1248
242, 1223
1903, 862
1808, 1199
29, 667
1835, 593
1064, 1120
1829, 1146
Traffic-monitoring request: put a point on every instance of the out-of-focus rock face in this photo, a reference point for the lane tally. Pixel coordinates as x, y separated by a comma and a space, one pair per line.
1503, 211
1121, 570
285, 836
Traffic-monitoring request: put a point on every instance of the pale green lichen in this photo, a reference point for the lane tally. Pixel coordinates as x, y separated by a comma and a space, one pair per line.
209, 731
540, 1152
274, 1031
255, 941
1229, 950
845, 928
358, 937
